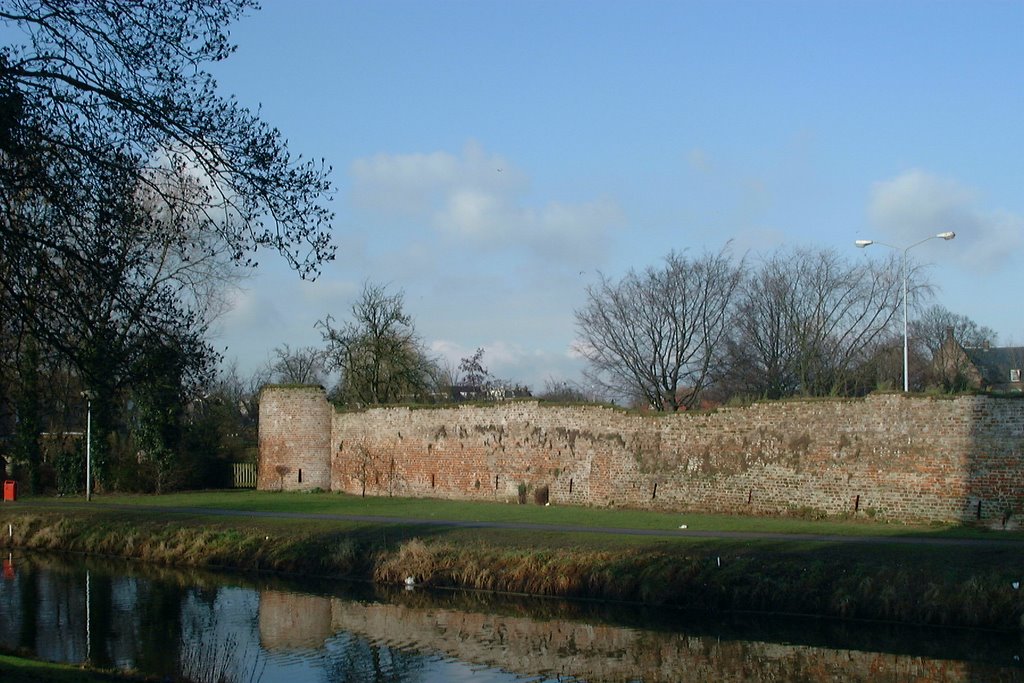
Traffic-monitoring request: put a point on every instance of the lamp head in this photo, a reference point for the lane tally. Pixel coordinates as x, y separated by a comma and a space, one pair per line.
947, 235
864, 243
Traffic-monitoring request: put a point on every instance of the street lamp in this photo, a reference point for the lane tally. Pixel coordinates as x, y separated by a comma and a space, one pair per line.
906, 344
88, 396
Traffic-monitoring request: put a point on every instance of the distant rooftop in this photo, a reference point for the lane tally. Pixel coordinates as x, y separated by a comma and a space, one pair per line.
995, 363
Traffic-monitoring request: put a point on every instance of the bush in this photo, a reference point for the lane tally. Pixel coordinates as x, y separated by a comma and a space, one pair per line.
70, 465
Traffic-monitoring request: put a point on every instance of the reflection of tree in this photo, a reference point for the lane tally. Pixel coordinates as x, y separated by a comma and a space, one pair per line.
159, 609
29, 600
350, 658
101, 632
219, 645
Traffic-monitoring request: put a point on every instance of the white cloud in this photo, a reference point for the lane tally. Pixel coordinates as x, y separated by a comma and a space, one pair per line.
481, 200
916, 204
449, 351
472, 214
413, 184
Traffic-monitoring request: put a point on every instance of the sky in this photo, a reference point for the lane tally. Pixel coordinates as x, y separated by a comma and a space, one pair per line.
492, 157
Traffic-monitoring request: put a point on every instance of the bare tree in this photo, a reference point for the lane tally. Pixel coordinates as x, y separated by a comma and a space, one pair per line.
298, 366
809, 318
379, 355
445, 376
659, 333
561, 391
935, 323
930, 335
763, 347
240, 392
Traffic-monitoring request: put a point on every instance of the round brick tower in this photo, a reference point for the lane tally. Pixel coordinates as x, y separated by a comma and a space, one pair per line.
295, 439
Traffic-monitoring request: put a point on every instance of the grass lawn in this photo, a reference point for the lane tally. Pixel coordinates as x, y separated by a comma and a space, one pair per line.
468, 511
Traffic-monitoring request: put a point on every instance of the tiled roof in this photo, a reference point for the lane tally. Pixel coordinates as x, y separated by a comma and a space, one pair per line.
995, 363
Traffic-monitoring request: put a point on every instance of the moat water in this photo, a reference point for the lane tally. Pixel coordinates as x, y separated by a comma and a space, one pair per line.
268, 629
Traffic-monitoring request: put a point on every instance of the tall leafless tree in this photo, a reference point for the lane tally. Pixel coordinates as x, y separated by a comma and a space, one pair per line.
933, 326
305, 365
807, 319
659, 334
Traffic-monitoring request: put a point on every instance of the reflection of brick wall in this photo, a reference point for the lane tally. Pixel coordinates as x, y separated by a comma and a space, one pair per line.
608, 653
295, 433
289, 621
888, 455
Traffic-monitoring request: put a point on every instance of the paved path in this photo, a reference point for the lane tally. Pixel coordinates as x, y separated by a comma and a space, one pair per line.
1015, 540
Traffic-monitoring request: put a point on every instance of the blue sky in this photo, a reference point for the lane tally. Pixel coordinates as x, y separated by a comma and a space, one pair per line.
492, 156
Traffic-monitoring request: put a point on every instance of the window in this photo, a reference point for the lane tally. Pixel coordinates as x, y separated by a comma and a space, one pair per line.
1015, 375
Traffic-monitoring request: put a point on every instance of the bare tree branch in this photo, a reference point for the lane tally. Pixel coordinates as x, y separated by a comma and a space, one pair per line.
659, 334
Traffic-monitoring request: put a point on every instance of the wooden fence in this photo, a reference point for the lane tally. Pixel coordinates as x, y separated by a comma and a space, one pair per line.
243, 475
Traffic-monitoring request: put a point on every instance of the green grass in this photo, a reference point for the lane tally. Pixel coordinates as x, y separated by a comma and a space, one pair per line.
448, 510
20, 669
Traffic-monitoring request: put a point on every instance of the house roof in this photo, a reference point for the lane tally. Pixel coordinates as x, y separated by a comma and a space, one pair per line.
995, 363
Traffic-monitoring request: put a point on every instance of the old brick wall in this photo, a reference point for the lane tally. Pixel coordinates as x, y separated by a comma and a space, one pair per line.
295, 439
583, 650
889, 456
600, 652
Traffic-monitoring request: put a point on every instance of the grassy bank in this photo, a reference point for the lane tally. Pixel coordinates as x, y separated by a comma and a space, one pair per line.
14, 668
888, 573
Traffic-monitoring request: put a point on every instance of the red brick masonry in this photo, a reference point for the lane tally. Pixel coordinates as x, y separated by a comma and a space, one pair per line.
888, 455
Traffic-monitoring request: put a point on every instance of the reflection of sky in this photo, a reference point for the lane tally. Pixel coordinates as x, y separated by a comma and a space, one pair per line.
345, 657
226, 631
219, 629
219, 633
125, 600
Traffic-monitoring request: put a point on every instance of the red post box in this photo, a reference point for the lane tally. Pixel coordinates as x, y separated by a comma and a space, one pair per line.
10, 490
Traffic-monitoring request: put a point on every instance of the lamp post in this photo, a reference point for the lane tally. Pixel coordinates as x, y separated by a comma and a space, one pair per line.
906, 343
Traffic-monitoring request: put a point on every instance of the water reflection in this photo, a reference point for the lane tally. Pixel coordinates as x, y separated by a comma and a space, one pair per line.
235, 628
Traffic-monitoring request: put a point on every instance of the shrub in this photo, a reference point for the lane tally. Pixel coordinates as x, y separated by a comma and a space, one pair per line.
70, 467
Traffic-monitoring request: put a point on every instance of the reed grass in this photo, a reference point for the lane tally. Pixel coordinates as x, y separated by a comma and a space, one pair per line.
912, 583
